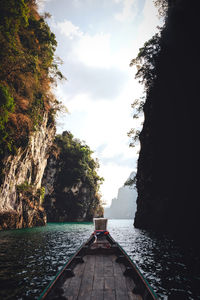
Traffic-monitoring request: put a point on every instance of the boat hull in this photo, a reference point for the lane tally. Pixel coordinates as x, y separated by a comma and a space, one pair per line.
100, 269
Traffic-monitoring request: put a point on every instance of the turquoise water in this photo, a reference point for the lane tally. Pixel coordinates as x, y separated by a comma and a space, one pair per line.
30, 258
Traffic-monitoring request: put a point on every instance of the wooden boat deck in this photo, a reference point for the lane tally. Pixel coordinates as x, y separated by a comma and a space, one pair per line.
99, 270
100, 277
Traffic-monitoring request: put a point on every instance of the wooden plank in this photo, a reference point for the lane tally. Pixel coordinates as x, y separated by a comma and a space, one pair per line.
90, 264
108, 260
99, 278
98, 272
99, 258
79, 269
122, 266
121, 295
109, 283
87, 278
96, 295
108, 271
86, 283
84, 295
116, 269
98, 283
85, 289
109, 295
73, 289
66, 283
72, 285
108, 266
120, 283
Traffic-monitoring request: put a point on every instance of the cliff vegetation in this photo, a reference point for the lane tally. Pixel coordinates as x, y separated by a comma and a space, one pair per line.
71, 181
27, 69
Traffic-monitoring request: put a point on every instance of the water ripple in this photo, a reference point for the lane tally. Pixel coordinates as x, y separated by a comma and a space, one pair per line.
30, 258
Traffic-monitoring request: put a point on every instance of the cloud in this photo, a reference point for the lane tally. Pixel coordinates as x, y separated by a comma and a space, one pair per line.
68, 29
98, 83
148, 27
120, 160
41, 4
95, 51
129, 11
91, 50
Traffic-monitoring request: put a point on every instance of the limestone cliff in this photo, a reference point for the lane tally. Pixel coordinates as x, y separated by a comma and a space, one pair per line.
71, 182
20, 193
27, 111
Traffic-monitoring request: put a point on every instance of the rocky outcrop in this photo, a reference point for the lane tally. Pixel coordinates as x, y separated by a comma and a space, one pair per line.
64, 203
20, 193
71, 182
167, 177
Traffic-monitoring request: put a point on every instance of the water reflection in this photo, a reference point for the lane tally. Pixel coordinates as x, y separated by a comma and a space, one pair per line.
30, 258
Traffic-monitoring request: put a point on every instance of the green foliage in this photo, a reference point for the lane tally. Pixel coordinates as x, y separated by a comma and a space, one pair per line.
6, 106
146, 64
79, 164
137, 106
27, 189
35, 111
27, 71
134, 135
41, 194
76, 188
24, 187
131, 182
146, 61
13, 15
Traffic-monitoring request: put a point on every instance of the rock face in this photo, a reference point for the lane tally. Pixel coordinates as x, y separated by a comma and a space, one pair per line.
62, 202
20, 193
167, 178
124, 206
71, 190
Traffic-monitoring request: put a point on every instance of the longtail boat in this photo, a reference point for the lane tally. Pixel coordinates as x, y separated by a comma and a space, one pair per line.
99, 270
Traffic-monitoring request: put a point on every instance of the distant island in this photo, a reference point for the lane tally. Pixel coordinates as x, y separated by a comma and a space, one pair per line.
124, 206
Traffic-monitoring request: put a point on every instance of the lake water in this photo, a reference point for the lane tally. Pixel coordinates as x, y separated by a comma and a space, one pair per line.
30, 258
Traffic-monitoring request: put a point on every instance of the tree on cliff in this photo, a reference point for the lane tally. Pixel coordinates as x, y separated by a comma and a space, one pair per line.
27, 70
76, 182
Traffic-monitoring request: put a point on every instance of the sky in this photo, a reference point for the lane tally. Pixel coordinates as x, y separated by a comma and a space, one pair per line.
96, 41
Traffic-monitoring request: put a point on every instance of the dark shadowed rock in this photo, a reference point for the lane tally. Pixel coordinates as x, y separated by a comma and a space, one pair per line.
168, 172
